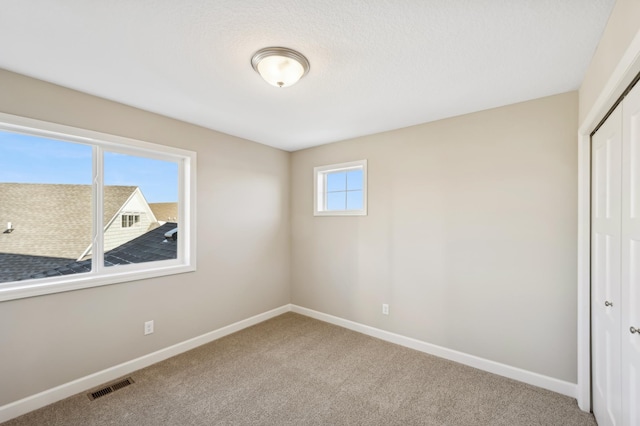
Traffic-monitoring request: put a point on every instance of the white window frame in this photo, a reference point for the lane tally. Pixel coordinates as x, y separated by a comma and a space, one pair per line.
320, 184
102, 275
130, 217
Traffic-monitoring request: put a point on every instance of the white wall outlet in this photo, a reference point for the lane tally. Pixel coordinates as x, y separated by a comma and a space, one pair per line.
148, 327
385, 309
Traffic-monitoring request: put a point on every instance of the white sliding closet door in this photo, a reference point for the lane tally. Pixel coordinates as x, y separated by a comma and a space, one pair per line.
615, 266
630, 278
605, 269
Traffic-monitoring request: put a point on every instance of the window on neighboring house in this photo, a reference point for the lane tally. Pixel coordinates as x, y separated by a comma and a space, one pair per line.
341, 189
109, 185
128, 220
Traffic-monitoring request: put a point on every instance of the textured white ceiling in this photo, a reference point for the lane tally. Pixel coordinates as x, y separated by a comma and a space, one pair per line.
376, 65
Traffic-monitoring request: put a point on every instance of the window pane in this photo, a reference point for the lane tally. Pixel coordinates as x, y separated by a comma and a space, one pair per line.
45, 207
336, 181
140, 209
354, 179
336, 201
354, 200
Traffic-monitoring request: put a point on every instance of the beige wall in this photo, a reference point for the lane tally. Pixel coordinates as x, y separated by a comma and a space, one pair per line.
470, 236
243, 252
622, 27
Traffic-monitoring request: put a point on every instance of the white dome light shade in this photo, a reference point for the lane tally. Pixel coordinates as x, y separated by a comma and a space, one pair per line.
279, 66
280, 71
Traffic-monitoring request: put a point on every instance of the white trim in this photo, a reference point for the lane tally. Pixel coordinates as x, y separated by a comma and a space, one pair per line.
25, 405
78, 135
123, 274
320, 183
622, 75
535, 379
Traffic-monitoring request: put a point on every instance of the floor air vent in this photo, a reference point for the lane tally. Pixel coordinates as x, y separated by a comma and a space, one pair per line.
110, 388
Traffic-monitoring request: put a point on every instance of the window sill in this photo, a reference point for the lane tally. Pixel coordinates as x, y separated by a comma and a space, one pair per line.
41, 287
341, 213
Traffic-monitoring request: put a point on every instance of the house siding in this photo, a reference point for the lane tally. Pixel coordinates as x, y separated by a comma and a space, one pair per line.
116, 235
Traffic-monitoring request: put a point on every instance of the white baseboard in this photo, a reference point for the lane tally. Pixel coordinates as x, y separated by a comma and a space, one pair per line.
535, 379
23, 406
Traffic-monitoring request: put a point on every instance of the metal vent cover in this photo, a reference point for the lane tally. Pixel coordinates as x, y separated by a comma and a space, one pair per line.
110, 388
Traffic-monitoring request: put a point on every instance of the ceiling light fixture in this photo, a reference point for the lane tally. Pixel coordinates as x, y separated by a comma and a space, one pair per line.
279, 66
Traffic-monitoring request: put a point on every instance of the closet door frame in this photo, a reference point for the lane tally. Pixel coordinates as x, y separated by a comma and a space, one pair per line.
624, 73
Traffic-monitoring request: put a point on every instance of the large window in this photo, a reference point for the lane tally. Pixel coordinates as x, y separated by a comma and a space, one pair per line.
80, 209
341, 189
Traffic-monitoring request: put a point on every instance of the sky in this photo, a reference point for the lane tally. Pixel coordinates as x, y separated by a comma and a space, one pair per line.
344, 190
32, 159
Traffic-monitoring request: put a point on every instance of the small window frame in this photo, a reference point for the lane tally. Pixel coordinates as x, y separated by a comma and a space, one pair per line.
320, 174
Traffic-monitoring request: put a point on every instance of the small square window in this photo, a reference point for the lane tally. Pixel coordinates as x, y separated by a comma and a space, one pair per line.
341, 189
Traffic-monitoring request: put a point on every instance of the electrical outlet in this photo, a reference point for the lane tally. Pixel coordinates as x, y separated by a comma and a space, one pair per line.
148, 327
385, 309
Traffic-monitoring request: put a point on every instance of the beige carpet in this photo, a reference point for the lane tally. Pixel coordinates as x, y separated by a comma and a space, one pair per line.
294, 370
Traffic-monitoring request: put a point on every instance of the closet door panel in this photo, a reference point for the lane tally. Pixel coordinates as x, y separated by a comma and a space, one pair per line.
630, 259
605, 270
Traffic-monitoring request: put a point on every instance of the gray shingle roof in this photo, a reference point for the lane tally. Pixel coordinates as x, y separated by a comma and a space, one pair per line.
52, 220
16, 267
151, 246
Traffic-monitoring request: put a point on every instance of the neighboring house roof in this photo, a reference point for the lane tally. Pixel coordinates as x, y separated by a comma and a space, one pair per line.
148, 247
165, 212
52, 220
16, 267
